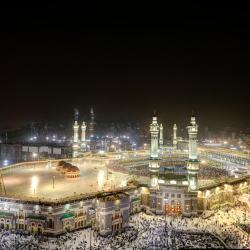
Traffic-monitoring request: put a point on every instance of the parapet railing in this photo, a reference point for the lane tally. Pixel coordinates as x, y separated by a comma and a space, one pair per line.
64, 200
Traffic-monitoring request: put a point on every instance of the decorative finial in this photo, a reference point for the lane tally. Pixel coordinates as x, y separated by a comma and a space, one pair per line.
76, 114
91, 110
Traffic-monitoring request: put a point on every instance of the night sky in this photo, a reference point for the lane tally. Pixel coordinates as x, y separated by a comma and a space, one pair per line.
54, 58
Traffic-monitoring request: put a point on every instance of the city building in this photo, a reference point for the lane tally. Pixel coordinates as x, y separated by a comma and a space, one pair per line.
112, 213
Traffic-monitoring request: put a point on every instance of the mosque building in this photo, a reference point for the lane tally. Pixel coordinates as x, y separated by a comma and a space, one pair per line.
174, 185
173, 191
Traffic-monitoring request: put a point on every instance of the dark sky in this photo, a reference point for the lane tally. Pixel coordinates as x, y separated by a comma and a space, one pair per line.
54, 58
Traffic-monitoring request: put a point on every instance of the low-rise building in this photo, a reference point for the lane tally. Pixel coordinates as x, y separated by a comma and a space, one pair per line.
112, 213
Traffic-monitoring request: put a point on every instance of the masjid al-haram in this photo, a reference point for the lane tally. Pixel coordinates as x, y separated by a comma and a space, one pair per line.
166, 190
124, 132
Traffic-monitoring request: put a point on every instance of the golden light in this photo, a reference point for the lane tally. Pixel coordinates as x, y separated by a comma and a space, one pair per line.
207, 194
34, 182
123, 183
34, 155
100, 178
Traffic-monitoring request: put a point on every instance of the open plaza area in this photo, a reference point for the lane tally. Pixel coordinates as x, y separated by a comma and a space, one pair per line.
42, 181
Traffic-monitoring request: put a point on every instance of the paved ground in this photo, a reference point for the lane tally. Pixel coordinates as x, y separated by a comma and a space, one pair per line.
37, 181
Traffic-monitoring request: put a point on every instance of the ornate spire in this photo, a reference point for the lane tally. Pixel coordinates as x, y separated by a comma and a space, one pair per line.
76, 114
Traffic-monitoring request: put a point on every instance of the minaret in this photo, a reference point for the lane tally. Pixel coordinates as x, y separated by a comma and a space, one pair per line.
161, 136
92, 122
193, 163
154, 131
75, 139
175, 136
83, 137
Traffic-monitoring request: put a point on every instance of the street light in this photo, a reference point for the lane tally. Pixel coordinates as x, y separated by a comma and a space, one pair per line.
5, 162
34, 155
54, 181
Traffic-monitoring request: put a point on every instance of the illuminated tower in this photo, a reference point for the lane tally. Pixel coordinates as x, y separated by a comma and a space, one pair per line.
154, 131
92, 122
175, 136
161, 136
83, 137
193, 163
75, 139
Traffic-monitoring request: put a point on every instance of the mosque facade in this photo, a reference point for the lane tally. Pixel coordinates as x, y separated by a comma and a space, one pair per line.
173, 191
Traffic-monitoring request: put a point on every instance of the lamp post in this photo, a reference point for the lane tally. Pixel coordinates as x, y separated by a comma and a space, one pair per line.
34, 155
54, 181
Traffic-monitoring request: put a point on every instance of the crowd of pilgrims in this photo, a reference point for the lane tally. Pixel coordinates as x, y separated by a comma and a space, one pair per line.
211, 172
205, 172
220, 230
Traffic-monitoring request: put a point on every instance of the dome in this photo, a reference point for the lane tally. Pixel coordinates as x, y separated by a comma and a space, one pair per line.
73, 169
61, 163
68, 169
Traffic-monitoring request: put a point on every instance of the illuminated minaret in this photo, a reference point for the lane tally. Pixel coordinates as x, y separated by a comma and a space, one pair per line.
161, 136
175, 136
83, 137
154, 131
75, 139
193, 163
92, 122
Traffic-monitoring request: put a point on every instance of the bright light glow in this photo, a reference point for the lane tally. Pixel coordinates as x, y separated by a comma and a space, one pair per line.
34, 182
203, 162
225, 142
172, 182
101, 152
233, 148
34, 155
207, 194
154, 181
100, 178
123, 183
5, 162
